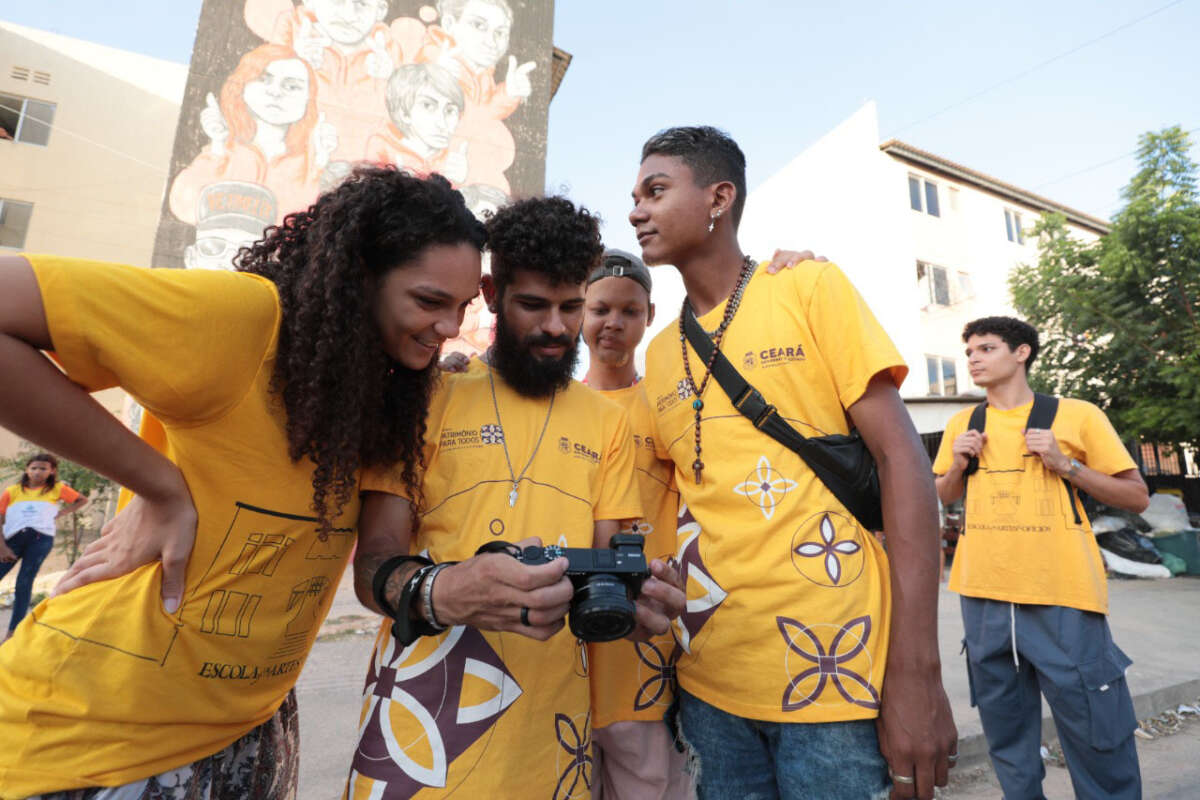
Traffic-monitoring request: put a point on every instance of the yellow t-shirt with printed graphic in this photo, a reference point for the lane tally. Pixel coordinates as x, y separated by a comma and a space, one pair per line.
475, 713
634, 681
788, 609
1021, 543
101, 686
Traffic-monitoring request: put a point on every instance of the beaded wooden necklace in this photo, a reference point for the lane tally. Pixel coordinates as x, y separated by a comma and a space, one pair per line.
731, 308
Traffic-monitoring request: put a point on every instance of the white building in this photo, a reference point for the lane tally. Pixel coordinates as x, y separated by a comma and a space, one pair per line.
86, 133
928, 242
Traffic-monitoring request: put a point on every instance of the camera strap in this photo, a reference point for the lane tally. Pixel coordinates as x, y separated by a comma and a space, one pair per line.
764, 416
1041, 416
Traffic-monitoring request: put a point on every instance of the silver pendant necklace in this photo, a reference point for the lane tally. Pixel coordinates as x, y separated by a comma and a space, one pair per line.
516, 479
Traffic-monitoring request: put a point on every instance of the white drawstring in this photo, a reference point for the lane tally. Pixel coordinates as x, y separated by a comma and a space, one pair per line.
1012, 615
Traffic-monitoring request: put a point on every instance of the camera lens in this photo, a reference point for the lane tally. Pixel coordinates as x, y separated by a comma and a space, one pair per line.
601, 609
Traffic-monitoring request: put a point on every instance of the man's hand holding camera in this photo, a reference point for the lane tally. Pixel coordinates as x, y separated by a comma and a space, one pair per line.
490, 591
662, 600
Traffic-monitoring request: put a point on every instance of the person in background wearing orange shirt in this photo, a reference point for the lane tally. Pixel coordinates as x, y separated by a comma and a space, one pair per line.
1032, 581
28, 511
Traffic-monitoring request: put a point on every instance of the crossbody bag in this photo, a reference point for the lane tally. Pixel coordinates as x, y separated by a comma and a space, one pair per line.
841, 461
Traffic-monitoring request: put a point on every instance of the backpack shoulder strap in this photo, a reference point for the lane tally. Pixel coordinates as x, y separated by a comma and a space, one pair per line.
977, 423
1045, 409
1041, 416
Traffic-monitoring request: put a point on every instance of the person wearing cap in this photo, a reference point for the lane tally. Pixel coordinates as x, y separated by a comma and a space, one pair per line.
633, 683
230, 215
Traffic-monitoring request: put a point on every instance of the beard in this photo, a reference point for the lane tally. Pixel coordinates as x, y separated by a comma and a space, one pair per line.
527, 374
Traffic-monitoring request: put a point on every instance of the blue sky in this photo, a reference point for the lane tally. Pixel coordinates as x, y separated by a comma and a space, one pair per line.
777, 75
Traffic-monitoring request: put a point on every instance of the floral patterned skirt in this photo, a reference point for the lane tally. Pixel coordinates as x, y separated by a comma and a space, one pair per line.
263, 765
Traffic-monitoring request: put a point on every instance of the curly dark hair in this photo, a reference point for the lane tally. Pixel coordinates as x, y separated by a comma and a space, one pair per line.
547, 235
710, 153
1014, 332
348, 404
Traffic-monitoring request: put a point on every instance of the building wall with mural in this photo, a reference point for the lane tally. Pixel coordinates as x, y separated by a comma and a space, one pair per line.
283, 98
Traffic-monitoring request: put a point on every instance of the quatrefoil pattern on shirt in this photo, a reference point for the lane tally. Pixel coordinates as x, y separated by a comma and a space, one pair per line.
827, 549
575, 779
840, 665
765, 487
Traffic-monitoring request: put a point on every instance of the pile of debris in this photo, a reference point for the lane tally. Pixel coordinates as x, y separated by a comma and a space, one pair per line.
1162, 541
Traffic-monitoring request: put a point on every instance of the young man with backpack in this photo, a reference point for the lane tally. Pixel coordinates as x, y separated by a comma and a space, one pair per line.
1032, 581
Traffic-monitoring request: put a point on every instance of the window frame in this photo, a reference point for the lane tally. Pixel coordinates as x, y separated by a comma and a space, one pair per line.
23, 115
25, 233
936, 365
922, 190
1013, 227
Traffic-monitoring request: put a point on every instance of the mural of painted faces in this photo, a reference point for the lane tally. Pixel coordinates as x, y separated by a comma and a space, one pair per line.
347, 22
426, 104
480, 29
280, 95
216, 247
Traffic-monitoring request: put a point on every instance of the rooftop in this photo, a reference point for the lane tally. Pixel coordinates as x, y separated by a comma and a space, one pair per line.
922, 158
164, 79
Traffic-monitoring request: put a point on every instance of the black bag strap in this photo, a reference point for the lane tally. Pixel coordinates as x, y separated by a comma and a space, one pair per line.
754, 407
1041, 416
977, 423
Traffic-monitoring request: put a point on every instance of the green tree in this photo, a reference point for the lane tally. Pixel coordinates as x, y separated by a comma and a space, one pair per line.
78, 527
1119, 317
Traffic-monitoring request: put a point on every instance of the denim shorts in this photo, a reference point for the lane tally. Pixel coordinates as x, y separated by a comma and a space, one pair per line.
734, 758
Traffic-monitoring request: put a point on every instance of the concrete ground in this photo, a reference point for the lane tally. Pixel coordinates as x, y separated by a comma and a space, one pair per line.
1155, 622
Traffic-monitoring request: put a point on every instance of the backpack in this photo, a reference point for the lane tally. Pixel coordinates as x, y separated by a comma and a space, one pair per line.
1045, 409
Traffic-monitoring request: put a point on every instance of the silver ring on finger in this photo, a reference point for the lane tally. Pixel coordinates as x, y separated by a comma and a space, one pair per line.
903, 779
525, 617
952, 758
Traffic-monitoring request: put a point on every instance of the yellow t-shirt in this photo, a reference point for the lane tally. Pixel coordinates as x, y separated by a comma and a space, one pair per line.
101, 686
473, 713
634, 681
788, 608
1022, 544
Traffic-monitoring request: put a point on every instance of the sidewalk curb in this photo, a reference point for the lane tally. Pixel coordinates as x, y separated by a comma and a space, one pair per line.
973, 752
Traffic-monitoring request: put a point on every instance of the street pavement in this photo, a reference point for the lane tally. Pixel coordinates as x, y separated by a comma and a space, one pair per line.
1157, 623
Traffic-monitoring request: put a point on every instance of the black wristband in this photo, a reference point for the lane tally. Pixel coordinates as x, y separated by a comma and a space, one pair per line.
405, 629
379, 583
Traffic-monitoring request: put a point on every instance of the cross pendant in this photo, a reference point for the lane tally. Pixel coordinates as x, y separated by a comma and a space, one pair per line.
698, 467
512, 496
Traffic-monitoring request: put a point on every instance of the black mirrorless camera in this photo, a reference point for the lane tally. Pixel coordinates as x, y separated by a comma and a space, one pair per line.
607, 581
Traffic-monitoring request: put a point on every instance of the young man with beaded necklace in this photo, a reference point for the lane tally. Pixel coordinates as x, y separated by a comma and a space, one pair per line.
793, 613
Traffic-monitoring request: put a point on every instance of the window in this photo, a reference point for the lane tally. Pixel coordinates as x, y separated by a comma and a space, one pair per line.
940, 286
931, 199
14, 222
942, 378
1012, 226
25, 120
930, 196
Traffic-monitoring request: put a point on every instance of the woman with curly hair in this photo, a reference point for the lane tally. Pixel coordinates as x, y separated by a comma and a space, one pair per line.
274, 385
